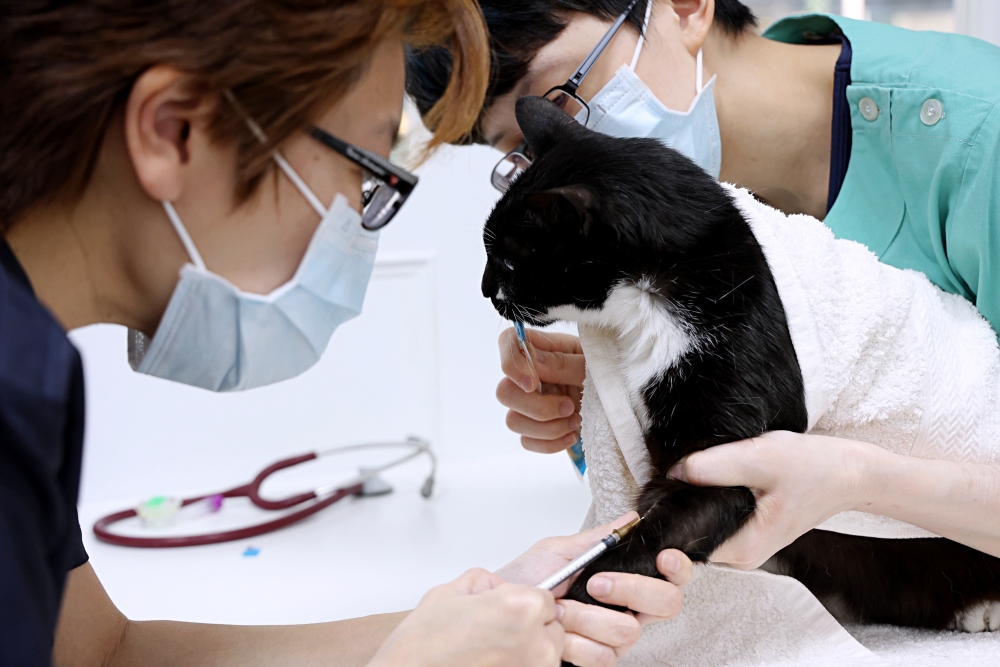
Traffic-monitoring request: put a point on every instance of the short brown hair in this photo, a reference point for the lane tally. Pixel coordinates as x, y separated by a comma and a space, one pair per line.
67, 68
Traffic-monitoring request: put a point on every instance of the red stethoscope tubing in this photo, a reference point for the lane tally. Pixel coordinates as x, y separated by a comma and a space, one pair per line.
251, 491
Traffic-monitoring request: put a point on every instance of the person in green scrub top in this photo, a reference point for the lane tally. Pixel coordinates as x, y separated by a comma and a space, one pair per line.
890, 136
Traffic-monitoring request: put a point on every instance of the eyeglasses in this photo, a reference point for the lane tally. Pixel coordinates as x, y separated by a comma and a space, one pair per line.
515, 162
385, 189
383, 192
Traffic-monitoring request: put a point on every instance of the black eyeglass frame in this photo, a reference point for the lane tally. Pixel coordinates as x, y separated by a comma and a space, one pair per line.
384, 173
572, 84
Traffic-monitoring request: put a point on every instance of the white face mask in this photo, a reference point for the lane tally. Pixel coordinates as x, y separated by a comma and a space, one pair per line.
626, 107
215, 336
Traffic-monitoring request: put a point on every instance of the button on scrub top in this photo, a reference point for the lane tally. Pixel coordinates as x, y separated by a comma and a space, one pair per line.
922, 189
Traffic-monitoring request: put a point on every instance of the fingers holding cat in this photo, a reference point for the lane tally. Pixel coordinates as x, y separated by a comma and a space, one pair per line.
547, 421
597, 636
798, 480
651, 599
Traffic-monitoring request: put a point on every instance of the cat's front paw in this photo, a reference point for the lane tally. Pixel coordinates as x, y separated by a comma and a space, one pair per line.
982, 617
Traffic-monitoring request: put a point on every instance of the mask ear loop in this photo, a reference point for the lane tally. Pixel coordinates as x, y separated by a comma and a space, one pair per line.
296, 180
175, 220
642, 36
300, 184
698, 74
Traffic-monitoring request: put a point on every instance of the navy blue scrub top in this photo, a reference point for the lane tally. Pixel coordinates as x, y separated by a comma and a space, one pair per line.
840, 136
41, 442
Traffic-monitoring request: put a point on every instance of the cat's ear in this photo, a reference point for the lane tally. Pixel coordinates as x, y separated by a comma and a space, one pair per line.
573, 204
542, 123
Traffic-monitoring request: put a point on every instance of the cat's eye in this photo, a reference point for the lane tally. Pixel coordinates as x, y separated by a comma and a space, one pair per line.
509, 264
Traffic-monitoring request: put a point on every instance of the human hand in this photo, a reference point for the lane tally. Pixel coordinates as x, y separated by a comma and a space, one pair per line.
596, 636
799, 482
548, 421
477, 620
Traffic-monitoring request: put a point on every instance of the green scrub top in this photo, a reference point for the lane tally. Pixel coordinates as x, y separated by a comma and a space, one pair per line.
922, 189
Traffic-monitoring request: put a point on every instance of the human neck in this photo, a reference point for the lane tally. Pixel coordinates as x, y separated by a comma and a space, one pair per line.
47, 245
775, 108
103, 258
71, 271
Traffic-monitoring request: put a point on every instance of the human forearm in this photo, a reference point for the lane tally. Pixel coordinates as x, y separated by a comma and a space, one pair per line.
960, 501
91, 632
801, 480
347, 643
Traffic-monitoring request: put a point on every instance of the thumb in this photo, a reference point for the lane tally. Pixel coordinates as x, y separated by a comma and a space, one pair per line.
476, 580
731, 464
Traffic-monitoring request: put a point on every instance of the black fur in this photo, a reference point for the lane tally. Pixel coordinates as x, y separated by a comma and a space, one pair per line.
595, 211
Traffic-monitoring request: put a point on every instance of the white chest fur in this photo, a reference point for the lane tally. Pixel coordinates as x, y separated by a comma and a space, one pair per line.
652, 337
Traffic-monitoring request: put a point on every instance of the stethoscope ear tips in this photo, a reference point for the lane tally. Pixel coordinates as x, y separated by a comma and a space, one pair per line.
428, 488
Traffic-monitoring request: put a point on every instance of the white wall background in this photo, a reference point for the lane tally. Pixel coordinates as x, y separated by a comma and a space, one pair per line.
421, 359
979, 18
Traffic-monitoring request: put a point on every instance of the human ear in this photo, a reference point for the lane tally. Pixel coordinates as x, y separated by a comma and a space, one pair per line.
165, 109
696, 17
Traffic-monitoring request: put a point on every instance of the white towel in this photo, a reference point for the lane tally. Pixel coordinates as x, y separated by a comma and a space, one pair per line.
887, 358
732, 618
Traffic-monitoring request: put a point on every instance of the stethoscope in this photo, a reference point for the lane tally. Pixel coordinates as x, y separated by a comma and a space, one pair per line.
366, 483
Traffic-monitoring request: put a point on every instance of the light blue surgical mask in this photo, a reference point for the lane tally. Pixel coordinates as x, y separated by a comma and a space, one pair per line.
626, 107
215, 336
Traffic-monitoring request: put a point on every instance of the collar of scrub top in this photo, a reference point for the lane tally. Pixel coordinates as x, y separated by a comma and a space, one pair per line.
516, 161
318, 498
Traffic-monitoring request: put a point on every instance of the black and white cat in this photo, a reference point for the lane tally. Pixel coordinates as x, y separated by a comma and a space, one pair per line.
629, 234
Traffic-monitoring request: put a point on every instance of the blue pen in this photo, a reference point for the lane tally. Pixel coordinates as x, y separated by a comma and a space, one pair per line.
576, 451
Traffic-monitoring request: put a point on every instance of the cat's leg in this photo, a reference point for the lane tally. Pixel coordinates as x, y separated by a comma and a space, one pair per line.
929, 583
675, 515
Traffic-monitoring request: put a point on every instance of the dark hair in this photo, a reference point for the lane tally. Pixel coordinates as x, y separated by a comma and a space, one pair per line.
67, 68
519, 29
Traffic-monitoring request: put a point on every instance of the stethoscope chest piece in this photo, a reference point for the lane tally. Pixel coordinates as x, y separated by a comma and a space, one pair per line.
164, 510
373, 486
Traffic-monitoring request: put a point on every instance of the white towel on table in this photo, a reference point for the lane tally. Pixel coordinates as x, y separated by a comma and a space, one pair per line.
886, 358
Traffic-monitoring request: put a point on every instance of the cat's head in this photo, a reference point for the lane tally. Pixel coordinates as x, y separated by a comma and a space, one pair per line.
591, 212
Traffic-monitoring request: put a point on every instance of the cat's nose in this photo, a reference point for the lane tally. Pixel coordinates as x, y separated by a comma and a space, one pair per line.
490, 284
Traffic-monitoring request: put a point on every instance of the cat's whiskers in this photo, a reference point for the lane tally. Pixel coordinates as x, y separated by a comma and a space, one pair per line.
489, 238
732, 290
